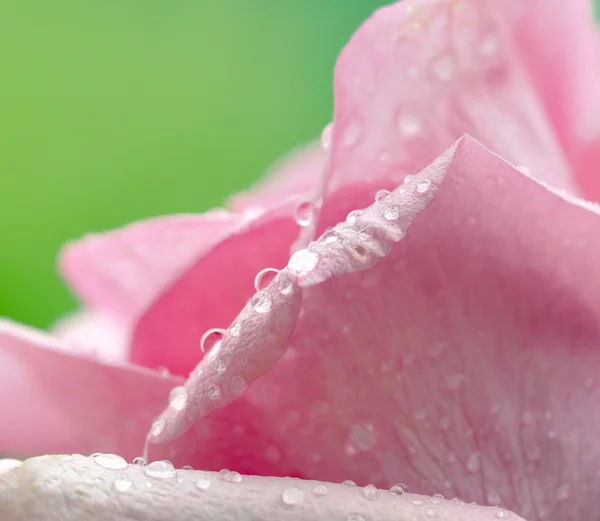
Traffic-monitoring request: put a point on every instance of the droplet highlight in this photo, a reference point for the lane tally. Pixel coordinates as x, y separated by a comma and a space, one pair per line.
303, 261
264, 278
261, 302
233, 477
381, 195
304, 213
203, 483
122, 485
161, 469
391, 213
110, 461
370, 492
178, 398
211, 340
292, 496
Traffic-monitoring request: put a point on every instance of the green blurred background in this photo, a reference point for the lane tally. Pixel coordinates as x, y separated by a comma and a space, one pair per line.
115, 110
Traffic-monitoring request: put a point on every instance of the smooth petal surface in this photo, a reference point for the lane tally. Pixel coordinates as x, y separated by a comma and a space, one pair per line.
465, 361
121, 271
212, 292
56, 399
421, 73
69, 488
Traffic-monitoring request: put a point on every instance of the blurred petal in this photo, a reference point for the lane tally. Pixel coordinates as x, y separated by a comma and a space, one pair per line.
121, 271
95, 333
57, 400
587, 170
212, 292
421, 73
461, 360
295, 175
69, 488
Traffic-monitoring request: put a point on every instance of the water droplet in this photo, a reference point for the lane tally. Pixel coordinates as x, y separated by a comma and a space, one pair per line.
349, 483
148, 484
237, 385
370, 492
211, 340
391, 213
110, 461
381, 195
187, 467
320, 490
304, 213
161, 469
214, 392
352, 134
361, 438
264, 278
501, 514
203, 483
261, 302
223, 471
292, 496
417, 502
454, 381
219, 366
409, 179
141, 462
9, 464
178, 398
122, 485
409, 124
356, 517
443, 68
157, 427
423, 186
398, 489
352, 216
329, 236
326, 136
303, 261
233, 477
474, 462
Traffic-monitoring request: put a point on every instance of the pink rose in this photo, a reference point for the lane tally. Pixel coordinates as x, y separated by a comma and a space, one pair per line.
438, 324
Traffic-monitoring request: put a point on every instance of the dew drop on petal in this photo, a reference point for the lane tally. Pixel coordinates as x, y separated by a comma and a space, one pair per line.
110, 461
391, 213
370, 492
409, 124
303, 261
320, 490
349, 483
264, 278
122, 485
203, 483
398, 489
211, 340
352, 216
409, 179
361, 438
423, 186
233, 477
292, 496
261, 302
214, 392
178, 398
326, 136
139, 461
329, 237
285, 285
381, 195
161, 469
304, 213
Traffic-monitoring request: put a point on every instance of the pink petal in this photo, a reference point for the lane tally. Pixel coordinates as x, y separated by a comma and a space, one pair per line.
121, 271
212, 292
587, 168
69, 488
295, 175
421, 73
464, 361
54, 400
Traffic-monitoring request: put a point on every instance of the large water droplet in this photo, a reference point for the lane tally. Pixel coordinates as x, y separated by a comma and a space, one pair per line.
361, 438
178, 398
203, 483
261, 302
292, 496
303, 261
139, 461
391, 213
161, 469
9, 464
320, 490
352, 216
409, 123
233, 477
326, 136
122, 485
423, 186
349, 483
214, 392
304, 213
264, 278
370, 492
398, 489
211, 340
409, 179
110, 461
493, 498
381, 195
157, 427
474, 462
329, 237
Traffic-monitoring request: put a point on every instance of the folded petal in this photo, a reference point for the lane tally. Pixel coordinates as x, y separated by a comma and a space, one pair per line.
121, 271
59, 399
212, 291
69, 488
421, 73
461, 360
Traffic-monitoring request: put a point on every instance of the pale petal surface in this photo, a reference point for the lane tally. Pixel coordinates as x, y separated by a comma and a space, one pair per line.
69, 488
462, 362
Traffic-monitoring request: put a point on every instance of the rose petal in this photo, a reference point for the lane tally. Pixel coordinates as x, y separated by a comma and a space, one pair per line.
462, 362
587, 170
121, 271
57, 401
421, 73
69, 488
295, 175
212, 292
